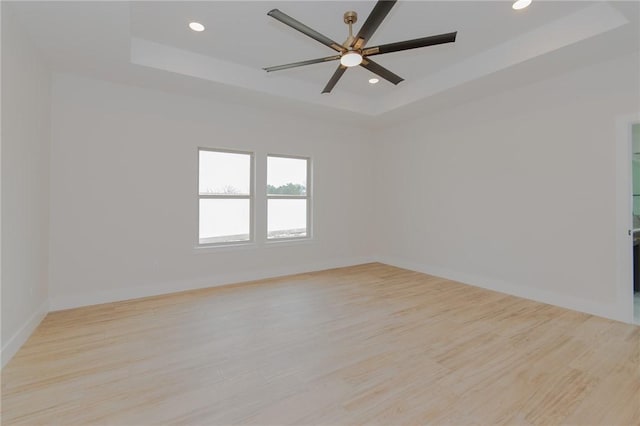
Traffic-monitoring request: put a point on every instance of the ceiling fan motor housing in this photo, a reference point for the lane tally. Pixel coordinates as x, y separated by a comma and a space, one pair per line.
350, 17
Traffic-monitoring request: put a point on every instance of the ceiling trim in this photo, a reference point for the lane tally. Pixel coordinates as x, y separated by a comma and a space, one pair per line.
581, 25
155, 55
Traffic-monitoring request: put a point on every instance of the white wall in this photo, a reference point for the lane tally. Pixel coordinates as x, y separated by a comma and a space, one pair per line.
123, 191
25, 186
515, 192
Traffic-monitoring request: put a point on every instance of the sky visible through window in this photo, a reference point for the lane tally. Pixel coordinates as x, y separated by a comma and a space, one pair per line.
224, 173
281, 171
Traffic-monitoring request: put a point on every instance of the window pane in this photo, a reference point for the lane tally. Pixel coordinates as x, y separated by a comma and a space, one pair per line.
286, 176
287, 218
224, 173
224, 220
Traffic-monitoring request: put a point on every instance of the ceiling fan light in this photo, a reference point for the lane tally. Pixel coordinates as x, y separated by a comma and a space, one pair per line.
351, 59
521, 4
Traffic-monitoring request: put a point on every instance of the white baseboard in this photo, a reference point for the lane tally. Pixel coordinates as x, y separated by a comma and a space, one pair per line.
70, 301
611, 311
20, 337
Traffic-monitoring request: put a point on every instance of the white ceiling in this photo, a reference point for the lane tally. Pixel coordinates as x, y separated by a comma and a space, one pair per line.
149, 41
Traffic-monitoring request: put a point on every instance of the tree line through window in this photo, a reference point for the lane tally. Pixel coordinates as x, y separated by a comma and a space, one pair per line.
226, 197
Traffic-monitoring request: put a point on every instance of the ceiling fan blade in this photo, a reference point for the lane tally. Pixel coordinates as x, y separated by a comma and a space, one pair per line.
297, 25
302, 63
375, 18
381, 71
411, 44
334, 79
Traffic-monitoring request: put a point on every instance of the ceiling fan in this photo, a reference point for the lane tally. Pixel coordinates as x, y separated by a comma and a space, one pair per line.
353, 51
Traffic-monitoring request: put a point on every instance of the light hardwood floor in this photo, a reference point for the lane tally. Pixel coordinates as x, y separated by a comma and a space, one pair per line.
370, 344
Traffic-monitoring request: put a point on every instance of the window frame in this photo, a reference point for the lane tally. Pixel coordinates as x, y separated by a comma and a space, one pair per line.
307, 197
250, 197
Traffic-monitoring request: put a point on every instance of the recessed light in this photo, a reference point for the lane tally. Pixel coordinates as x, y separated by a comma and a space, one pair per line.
521, 4
373, 80
196, 26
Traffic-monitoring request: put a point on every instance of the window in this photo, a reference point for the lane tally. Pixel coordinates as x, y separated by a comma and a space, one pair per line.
288, 197
226, 208
225, 196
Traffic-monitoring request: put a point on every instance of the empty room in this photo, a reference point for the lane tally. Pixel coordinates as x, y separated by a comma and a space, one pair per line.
320, 212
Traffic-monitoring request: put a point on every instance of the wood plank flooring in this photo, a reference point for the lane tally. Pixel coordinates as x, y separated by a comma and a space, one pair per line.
369, 344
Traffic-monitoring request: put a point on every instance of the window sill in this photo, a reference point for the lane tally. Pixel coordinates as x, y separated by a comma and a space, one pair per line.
204, 249
288, 242
253, 246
